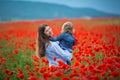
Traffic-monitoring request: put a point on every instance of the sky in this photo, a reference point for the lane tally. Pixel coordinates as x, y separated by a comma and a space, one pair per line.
112, 6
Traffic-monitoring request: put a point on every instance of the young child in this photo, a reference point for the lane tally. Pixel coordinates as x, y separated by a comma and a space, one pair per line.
66, 38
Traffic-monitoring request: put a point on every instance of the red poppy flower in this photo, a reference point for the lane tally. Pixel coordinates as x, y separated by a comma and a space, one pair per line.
65, 78
115, 74
35, 63
16, 51
20, 75
59, 74
36, 58
32, 78
95, 77
7, 78
27, 67
9, 72
42, 70
52, 68
74, 75
55, 58
19, 70
76, 64
119, 49
46, 75
1, 47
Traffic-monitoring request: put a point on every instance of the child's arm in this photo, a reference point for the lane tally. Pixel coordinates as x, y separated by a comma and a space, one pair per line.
58, 38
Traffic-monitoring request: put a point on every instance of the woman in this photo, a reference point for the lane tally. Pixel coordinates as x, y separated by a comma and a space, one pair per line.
50, 49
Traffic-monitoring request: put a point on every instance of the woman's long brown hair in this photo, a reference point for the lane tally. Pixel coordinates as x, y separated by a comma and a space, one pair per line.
42, 40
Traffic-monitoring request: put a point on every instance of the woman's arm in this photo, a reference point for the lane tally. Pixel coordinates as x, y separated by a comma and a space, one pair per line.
60, 52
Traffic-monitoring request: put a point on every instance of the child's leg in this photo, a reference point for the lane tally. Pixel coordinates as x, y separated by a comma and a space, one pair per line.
68, 62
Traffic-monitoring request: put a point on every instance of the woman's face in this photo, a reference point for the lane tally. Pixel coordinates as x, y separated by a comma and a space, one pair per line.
48, 31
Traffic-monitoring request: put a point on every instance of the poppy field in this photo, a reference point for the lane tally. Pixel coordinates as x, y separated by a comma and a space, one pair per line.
96, 55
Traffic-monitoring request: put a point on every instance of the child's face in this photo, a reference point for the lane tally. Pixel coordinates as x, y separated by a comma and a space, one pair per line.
48, 31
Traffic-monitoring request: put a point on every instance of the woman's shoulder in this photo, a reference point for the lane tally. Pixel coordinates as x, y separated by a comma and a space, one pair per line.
53, 43
51, 46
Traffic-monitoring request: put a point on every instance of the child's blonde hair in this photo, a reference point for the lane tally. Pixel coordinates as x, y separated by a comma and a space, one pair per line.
67, 27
